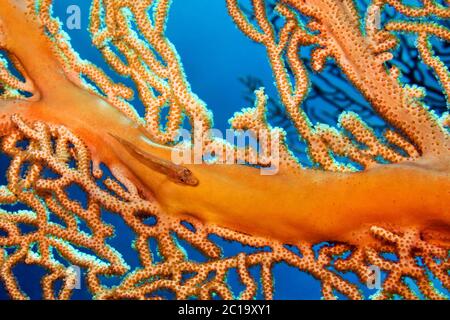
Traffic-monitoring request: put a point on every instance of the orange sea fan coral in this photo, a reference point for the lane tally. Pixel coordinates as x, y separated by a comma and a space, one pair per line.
71, 128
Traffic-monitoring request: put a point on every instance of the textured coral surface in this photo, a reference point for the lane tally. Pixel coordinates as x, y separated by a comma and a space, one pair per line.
369, 199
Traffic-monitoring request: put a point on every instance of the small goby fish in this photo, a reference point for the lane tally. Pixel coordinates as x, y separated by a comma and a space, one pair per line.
174, 172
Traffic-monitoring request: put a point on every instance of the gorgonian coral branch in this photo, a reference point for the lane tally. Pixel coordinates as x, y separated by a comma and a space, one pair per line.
322, 140
397, 104
72, 129
152, 63
131, 207
35, 190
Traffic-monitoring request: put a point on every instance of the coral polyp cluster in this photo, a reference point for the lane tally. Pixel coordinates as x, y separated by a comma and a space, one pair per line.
367, 196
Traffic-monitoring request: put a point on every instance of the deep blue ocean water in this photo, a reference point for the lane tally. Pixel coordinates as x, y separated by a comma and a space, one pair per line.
217, 57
